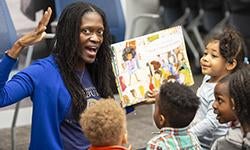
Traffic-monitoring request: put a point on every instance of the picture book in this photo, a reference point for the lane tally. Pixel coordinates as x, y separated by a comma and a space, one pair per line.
141, 64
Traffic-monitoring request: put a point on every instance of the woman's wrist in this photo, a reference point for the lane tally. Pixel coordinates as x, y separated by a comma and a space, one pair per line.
15, 50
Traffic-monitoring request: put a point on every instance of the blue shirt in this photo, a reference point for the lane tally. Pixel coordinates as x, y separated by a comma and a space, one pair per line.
72, 135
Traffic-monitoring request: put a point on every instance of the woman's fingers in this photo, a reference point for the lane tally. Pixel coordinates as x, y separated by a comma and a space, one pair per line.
150, 101
47, 16
44, 21
40, 30
39, 33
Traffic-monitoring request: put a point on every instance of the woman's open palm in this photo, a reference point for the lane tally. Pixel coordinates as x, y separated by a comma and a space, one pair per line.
39, 32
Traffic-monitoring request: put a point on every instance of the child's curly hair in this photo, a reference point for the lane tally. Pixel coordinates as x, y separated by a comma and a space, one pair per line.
104, 123
231, 45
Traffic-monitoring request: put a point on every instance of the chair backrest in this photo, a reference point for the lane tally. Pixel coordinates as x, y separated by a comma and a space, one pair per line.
113, 10
7, 30
214, 13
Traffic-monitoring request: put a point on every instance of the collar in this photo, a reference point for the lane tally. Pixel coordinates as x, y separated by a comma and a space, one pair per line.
234, 124
175, 131
115, 147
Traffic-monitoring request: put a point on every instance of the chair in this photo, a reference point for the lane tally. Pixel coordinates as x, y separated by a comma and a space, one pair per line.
213, 13
7, 30
239, 18
173, 13
212, 17
8, 36
189, 12
112, 9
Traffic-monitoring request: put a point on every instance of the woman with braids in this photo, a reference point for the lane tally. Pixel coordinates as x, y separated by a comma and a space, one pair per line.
64, 84
239, 88
222, 56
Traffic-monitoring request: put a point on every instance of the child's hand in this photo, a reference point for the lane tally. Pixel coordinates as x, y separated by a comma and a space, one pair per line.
38, 34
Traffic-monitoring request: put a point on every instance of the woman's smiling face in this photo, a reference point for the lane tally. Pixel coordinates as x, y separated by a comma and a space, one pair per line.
91, 36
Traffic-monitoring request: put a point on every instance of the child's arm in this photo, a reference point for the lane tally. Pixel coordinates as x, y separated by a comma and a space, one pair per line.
208, 124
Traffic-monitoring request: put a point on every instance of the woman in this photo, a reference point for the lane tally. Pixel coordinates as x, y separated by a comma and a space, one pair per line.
62, 85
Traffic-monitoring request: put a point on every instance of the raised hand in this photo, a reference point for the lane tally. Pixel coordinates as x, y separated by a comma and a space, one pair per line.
39, 32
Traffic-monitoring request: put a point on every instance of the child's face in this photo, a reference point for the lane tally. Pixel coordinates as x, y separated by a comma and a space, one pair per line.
129, 56
223, 105
212, 63
158, 118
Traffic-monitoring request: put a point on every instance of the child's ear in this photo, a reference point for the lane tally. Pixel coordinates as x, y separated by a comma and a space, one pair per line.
162, 120
232, 65
125, 138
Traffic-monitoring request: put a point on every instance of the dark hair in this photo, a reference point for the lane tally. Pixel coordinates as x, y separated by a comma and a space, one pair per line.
231, 45
68, 55
239, 88
178, 103
126, 51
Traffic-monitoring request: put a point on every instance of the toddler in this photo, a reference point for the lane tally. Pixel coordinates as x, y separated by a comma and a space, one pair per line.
175, 108
104, 124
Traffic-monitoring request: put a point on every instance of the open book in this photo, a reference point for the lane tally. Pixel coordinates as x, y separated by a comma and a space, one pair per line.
141, 64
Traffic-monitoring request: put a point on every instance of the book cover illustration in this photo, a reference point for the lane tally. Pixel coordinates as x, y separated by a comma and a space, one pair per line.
141, 64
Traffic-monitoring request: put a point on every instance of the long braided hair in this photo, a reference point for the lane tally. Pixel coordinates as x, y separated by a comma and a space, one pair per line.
239, 87
68, 55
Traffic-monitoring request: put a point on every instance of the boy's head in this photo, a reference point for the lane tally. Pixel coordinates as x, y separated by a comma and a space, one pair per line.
175, 106
239, 88
223, 53
224, 104
104, 123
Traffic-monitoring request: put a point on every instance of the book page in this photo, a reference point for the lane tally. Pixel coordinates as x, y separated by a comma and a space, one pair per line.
141, 64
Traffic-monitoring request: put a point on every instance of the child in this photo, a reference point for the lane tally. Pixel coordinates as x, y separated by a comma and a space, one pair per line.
104, 124
239, 88
175, 108
224, 108
222, 56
